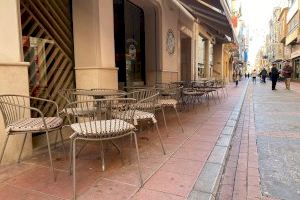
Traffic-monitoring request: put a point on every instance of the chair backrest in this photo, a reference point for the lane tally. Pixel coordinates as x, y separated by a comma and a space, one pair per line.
133, 88
141, 94
13, 108
16, 107
148, 104
102, 116
72, 95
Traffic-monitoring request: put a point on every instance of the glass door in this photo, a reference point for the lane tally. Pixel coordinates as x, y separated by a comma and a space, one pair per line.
129, 43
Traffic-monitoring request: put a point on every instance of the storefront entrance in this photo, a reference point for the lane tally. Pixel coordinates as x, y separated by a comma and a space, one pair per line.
185, 57
296, 68
129, 43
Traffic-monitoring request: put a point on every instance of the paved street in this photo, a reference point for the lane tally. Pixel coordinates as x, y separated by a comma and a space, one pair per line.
264, 161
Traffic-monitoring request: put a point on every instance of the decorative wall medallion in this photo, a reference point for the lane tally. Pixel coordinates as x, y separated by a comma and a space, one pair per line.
170, 42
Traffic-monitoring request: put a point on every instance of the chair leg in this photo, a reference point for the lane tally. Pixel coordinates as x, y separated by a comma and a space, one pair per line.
56, 136
161, 143
71, 155
138, 159
80, 150
50, 155
22, 147
218, 96
4, 147
74, 167
63, 143
178, 118
102, 156
116, 146
163, 113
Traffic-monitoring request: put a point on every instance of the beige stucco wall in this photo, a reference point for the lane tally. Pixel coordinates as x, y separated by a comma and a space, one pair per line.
174, 18
218, 61
13, 72
93, 29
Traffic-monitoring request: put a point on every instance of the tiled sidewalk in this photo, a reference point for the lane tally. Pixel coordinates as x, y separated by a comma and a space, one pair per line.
241, 179
169, 176
242, 176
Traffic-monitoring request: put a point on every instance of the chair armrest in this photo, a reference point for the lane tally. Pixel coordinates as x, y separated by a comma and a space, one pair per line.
9, 116
49, 101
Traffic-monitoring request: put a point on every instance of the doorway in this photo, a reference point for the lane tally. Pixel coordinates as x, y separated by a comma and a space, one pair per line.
185, 57
129, 43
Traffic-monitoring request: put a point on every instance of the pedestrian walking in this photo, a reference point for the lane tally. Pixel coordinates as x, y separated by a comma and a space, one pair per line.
287, 74
236, 76
245, 75
263, 75
254, 75
248, 75
274, 76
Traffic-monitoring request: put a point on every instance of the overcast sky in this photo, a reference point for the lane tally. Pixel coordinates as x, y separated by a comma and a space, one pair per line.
257, 14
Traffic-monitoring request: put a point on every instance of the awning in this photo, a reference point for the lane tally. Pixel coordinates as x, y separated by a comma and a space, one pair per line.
214, 14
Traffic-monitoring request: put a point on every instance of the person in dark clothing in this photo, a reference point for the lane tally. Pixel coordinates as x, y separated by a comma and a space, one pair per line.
248, 75
287, 73
274, 76
263, 75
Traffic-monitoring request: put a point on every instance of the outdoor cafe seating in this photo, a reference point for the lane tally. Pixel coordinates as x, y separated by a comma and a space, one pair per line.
103, 115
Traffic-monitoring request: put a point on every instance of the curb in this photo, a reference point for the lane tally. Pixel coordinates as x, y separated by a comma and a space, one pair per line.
208, 181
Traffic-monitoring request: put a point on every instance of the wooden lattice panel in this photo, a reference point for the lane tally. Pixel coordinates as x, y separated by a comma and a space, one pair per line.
47, 27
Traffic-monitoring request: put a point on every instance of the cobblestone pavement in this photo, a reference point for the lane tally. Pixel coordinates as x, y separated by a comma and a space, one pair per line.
264, 160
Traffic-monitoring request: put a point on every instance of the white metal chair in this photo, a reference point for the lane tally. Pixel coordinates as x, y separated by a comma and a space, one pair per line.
15, 112
112, 120
147, 103
170, 97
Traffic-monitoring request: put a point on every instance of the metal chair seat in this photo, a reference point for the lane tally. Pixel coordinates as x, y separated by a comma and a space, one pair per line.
168, 102
140, 115
103, 128
35, 124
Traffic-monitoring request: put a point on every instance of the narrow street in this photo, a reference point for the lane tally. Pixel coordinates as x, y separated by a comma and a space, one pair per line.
264, 160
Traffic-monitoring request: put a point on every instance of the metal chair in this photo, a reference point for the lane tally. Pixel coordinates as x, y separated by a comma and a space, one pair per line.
191, 96
112, 120
147, 104
17, 120
220, 84
170, 96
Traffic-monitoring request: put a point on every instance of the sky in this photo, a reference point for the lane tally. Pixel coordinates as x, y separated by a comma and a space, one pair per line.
257, 14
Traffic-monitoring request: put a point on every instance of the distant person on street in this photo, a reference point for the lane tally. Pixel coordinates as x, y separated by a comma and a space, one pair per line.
236, 76
254, 75
274, 76
248, 75
287, 74
245, 75
263, 75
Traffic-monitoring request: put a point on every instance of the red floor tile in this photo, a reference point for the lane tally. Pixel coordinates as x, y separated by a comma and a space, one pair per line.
172, 183
145, 194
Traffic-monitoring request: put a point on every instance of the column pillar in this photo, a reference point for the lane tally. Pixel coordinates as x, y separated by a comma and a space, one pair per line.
206, 64
93, 28
13, 72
